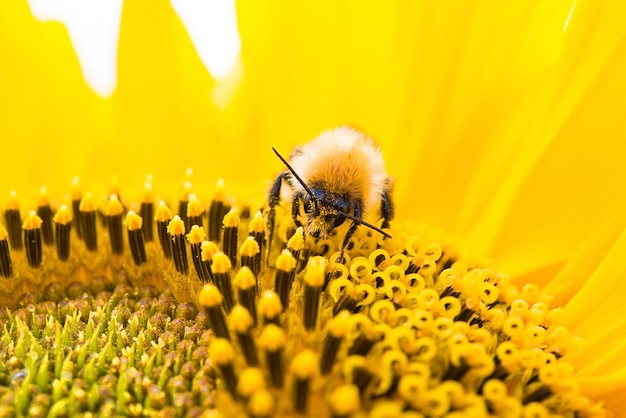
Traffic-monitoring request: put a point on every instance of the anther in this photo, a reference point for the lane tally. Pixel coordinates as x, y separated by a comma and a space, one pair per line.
62, 226
337, 329
217, 210
6, 266
283, 279
146, 211
208, 250
163, 217
256, 228
222, 355
273, 340
249, 252
196, 237
210, 299
295, 244
114, 211
195, 211
176, 232
345, 400
13, 221
314, 276
231, 227
221, 276
269, 307
32, 239
304, 368
77, 197
87, 210
245, 283
44, 211
183, 201
134, 224
242, 323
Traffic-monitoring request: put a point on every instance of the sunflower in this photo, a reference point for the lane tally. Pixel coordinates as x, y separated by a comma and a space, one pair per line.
501, 124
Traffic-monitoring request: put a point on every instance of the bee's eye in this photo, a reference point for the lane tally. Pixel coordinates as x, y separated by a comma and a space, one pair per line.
339, 220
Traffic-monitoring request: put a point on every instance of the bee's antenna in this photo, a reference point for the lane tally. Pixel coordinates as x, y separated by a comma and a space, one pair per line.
367, 224
292, 171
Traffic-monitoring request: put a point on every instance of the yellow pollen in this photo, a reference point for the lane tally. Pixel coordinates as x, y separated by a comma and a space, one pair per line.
87, 204
305, 364
63, 216
114, 206
32, 221
257, 224
176, 226
209, 249
315, 272
240, 319
231, 219
163, 213
269, 304
221, 263
272, 338
296, 242
286, 261
221, 351
249, 247
196, 235
194, 207
220, 192
210, 296
133, 221
244, 279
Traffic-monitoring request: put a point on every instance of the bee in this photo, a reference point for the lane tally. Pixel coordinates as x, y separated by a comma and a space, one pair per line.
338, 176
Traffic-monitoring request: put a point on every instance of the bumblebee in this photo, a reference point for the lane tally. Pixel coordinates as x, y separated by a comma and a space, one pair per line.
338, 176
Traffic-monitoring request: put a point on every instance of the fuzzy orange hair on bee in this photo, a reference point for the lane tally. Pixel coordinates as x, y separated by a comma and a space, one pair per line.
338, 176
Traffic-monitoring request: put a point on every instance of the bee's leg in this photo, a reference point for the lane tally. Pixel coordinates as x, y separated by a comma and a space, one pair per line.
386, 208
295, 208
274, 199
351, 230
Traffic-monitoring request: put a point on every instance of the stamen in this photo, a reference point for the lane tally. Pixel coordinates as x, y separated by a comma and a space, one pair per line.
245, 282
210, 299
196, 237
261, 404
217, 211
163, 217
194, 211
222, 355
87, 210
273, 340
133, 224
295, 244
337, 329
250, 253
345, 400
304, 367
269, 307
32, 239
221, 276
231, 227
283, 279
44, 211
77, 197
183, 201
6, 267
146, 211
209, 249
176, 232
13, 221
114, 211
256, 228
314, 276
251, 380
63, 225
242, 323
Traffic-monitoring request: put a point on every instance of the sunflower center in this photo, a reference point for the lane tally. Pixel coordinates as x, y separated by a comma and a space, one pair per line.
107, 317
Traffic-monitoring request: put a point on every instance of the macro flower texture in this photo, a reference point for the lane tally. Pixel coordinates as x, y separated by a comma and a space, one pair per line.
145, 270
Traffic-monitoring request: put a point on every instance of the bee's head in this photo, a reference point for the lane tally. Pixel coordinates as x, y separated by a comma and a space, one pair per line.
325, 212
